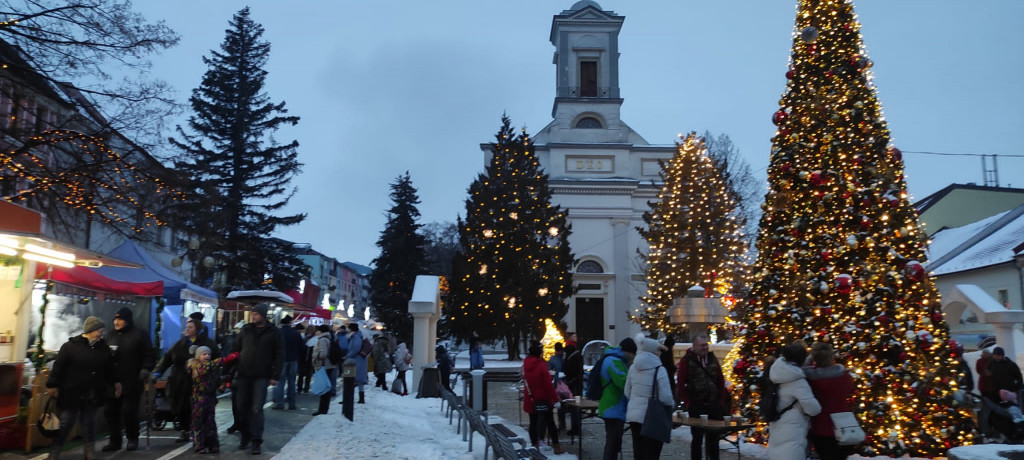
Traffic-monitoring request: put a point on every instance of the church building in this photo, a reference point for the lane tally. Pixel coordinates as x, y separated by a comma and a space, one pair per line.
602, 172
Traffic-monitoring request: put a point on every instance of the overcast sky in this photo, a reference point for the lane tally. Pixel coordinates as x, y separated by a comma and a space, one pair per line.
388, 86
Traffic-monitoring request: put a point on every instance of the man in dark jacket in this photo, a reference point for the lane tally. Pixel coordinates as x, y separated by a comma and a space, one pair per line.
294, 350
261, 356
82, 376
1004, 373
573, 370
444, 366
700, 386
133, 362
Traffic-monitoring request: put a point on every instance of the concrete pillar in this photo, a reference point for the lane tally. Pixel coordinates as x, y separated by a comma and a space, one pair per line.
619, 302
478, 388
423, 353
425, 307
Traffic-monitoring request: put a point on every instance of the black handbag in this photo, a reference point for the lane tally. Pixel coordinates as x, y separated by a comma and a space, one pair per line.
538, 406
658, 419
49, 423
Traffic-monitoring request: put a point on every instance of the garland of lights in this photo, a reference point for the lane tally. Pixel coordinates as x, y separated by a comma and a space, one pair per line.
159, 325
40, 361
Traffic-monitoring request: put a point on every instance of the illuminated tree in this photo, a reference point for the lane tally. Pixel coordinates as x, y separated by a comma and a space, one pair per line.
239, 174
694, 235
402, 257
840, 250
513, 269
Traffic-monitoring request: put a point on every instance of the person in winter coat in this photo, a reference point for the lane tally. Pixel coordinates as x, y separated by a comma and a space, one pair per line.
179, 384
831, 385
205, 380
294, 348
788, 434
612, 407
669, 361
640, 381
538, 390
306, 361
1004, 373
403, 362
476, 353
444, 366
261, 356
321, 359
700, 386
355, 345
134, 360
985, 388
573, 369
556, 364
82, 376
381, 362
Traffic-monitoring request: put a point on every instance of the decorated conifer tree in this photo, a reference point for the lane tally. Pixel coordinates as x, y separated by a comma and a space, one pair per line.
694, 235
841, 250
512, 272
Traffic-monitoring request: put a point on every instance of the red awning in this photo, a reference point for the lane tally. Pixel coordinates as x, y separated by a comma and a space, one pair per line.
87, 279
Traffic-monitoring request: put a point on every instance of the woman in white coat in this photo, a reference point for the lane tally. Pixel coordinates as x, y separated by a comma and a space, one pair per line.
788, 435
639, 389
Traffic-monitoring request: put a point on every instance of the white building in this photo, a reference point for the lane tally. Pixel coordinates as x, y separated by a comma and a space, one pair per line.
601, 171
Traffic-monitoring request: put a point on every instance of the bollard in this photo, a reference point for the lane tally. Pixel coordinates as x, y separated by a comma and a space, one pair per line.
478, 388
348, 388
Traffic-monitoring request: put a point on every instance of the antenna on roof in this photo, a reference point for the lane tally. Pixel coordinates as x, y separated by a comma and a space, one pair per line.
991, 176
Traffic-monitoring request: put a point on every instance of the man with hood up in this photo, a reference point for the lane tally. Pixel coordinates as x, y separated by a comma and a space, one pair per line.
133, 362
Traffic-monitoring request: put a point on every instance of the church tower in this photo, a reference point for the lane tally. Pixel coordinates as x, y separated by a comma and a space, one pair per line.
601, 171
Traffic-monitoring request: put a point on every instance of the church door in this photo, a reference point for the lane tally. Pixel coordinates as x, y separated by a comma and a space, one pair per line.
589, 319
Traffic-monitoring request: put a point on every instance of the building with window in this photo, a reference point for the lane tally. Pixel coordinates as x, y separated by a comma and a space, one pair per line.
601, 171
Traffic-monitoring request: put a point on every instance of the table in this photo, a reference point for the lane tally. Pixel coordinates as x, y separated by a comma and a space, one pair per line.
585, 408
719, 427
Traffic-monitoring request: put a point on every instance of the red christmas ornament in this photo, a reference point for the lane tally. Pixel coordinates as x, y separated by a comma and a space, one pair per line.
829, 73
778, 117
817, 178
937, 317
903, 356
825, 255
762, 333
786, 167
895, 153
914, 271
826, 311
844, 284
790, 74
865, 223
882, 319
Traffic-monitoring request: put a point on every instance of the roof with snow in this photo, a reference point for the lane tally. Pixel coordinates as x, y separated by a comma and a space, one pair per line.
991, 241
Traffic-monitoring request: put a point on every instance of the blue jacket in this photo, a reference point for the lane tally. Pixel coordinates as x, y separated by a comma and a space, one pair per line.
294, 345
476, 358
555, 364
613, 376
355, 344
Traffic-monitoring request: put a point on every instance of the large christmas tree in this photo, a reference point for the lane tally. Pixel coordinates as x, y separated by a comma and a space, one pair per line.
402, 257
513, 270
693, 234
841, 248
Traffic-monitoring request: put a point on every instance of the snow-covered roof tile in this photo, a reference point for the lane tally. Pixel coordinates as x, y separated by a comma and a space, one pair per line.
949, 238
996, 249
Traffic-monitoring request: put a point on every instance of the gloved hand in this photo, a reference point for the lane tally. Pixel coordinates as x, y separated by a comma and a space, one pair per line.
231, 357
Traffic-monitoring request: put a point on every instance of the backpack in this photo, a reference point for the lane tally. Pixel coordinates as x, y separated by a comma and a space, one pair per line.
367, 348
334, 353
769, 402
594, 386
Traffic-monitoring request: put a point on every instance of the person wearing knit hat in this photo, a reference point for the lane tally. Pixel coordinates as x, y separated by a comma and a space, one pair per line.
261, 358
82, 374
628, 345
179, 384
294, 351
134, 359
1004, 374
261, 308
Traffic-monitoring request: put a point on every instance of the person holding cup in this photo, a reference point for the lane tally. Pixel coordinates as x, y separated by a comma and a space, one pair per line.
700, 386
134, 360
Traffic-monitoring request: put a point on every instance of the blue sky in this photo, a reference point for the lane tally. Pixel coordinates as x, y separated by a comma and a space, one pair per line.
388, 86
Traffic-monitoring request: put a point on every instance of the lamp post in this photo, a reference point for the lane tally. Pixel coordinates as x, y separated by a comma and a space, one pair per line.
697, 311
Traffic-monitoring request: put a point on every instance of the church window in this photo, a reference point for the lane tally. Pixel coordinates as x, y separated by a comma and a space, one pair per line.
588, 123
589, 266
588, 78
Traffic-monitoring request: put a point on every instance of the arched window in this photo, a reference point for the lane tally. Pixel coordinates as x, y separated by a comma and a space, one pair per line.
589, 266
588, 123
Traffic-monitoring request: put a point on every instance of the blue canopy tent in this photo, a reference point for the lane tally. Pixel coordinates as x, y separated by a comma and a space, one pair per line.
176, 290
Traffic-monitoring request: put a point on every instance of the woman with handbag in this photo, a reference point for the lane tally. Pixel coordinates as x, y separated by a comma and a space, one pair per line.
788, 438
832, 386
649, 411
321, 360
539, 398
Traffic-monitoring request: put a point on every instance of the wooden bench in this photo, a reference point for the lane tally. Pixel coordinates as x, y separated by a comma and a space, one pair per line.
505, 447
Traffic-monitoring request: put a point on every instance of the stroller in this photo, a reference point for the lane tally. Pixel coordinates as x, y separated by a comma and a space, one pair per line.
1005, 417
158, 405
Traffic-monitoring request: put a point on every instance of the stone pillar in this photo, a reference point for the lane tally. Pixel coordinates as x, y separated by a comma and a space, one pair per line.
619, 303
478, 388
425, 307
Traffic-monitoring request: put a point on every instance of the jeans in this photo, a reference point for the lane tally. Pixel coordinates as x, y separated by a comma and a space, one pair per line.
123, 413
333, 375
613, 429
68, 417
645, 448
252, 394
288, 374
541, 421
702, 438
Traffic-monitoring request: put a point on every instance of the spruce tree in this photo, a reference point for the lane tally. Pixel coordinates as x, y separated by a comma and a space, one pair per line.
841, 251
402, 257
694, 235
513, 270
239, 174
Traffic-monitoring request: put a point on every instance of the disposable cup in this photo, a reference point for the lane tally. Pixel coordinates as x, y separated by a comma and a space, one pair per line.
579, 399
704, 419
727, 419
684, 415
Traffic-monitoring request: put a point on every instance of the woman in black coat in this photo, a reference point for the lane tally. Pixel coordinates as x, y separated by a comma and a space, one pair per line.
82, 377
179, 384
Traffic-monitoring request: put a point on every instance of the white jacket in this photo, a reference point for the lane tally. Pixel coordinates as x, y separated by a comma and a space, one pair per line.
401, 353
322, 352
788, 435
638, 386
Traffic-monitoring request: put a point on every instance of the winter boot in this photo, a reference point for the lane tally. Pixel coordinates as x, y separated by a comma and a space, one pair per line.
558, 449
112, 446
257, 447
362, 397
90, 450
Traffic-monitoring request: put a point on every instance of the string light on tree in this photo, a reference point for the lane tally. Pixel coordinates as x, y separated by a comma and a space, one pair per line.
840, 248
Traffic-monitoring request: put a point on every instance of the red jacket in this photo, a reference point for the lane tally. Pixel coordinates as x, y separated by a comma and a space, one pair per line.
984, 381
832, 387
535, 373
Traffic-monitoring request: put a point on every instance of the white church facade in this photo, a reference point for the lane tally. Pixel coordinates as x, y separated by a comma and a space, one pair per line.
601, 171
